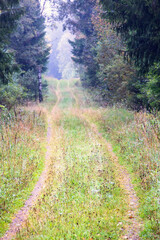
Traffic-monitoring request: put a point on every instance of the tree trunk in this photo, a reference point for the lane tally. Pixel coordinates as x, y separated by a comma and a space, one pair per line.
40, 85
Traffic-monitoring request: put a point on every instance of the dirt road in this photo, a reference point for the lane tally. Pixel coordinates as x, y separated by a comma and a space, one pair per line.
129, 224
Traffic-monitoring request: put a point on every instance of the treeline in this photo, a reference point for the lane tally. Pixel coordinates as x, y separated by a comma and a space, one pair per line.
117, 48
23, 51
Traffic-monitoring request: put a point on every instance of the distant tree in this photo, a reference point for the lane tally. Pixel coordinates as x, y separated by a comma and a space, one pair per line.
66, 64
114, 73
29, 44
53, 37
77, 15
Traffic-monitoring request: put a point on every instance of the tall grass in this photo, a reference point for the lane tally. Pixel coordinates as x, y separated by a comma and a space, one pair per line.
136, 139
63, 84
50, 98
67, 101
21, 159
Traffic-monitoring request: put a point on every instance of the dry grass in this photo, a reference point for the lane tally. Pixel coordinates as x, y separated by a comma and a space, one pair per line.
136, 140
21, 157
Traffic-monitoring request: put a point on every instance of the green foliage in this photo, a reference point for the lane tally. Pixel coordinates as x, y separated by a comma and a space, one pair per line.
113, 73
9, 13
114, 77
137, 98
153, 86
137, 22
7, 66
29, 81
11, 95
30, 47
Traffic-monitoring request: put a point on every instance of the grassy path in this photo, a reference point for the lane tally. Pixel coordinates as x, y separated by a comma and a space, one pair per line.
133, 223
86, 193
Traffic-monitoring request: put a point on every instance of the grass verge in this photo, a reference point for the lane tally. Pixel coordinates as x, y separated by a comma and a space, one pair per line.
136, 141
22, 153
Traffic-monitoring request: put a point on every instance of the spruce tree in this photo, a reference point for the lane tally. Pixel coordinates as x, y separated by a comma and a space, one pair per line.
10, 11
138, 23
78, 19
29, 45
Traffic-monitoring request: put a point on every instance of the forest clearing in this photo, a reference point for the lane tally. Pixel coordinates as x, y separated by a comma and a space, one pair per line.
86, 190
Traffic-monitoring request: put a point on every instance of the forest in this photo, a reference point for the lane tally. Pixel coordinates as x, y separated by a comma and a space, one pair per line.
79, 119
115, 50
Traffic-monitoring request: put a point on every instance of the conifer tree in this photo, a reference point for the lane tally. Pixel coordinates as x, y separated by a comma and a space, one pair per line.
30, 47
78, 19
138, 23
10, 11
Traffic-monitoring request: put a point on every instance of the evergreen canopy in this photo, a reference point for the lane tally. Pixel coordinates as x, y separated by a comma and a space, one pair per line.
10, 11
138, 22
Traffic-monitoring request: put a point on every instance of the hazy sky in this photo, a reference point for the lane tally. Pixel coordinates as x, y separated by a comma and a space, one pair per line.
47, 7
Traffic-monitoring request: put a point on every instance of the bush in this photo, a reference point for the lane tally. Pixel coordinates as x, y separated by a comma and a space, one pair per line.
11, 95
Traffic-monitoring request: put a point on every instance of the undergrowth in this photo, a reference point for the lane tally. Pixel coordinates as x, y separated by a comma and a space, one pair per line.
22, 151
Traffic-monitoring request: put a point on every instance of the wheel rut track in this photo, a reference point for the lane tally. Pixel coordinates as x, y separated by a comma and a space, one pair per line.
133, 223
21, 217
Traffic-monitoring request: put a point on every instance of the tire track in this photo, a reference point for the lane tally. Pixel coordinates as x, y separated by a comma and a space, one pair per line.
21, 217
133, 223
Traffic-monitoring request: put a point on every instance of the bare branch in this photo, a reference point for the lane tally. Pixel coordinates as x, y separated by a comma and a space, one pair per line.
43, 7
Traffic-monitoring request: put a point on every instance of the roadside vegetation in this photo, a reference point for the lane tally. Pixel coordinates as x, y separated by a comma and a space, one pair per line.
135, 139
22, 153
